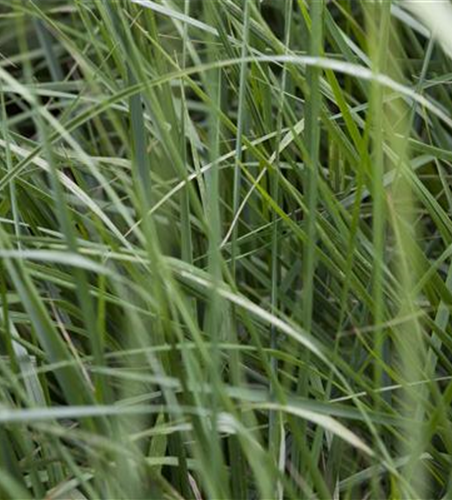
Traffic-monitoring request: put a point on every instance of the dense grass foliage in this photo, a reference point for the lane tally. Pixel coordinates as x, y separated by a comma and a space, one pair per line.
225, 249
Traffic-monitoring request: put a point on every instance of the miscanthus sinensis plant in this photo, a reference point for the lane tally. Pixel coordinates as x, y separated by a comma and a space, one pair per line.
225, 249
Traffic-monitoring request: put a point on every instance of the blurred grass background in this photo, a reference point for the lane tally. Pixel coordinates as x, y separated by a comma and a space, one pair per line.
225, 249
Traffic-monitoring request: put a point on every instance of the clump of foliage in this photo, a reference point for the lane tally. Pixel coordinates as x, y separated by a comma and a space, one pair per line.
225, 249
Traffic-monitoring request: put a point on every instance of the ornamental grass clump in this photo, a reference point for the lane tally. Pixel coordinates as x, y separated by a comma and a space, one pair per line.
225, 249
